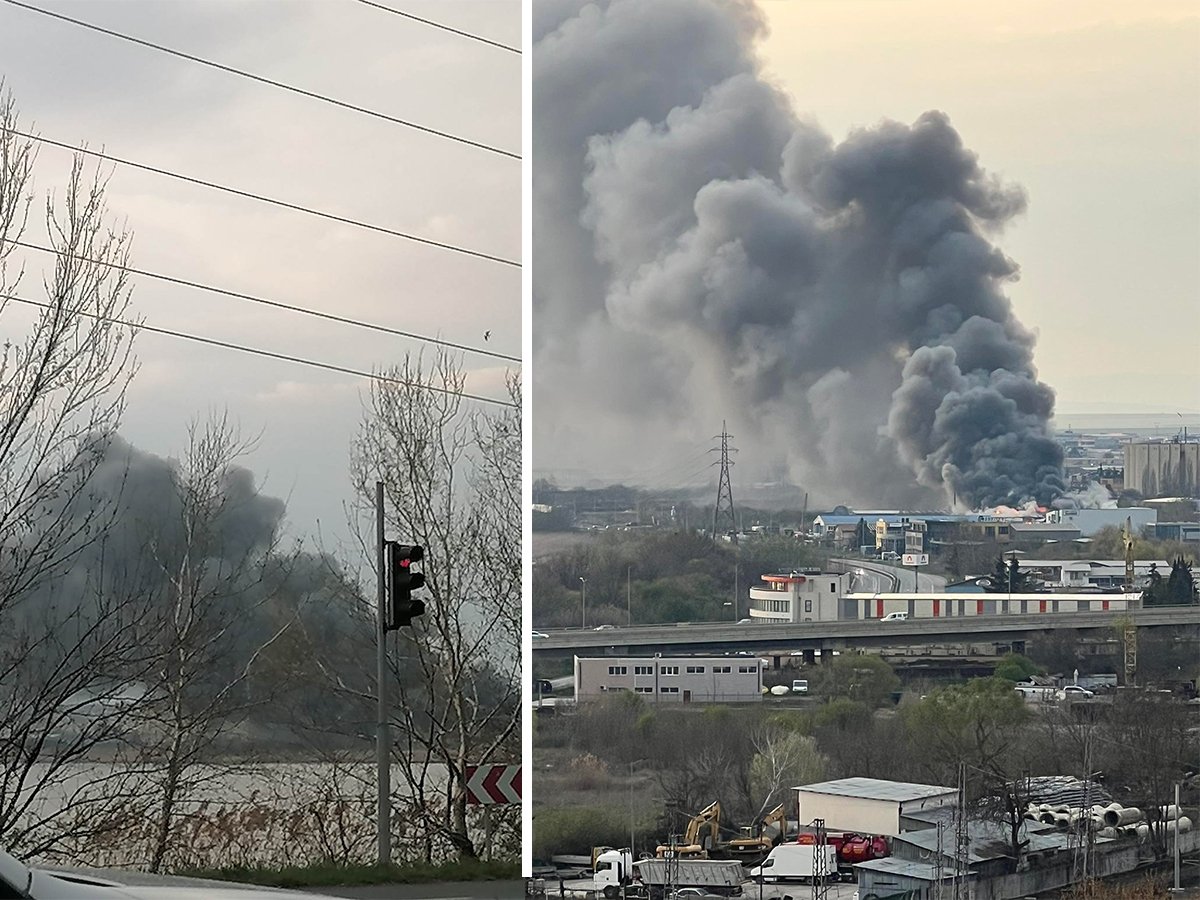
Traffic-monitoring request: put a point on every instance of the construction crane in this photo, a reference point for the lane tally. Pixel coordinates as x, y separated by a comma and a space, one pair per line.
1131, 604
701, 837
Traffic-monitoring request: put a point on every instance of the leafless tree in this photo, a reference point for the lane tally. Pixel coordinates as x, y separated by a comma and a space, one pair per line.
66, 638
782, 759
452, 484
214, 591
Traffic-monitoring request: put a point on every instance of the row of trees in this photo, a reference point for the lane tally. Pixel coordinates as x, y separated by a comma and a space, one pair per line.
679, 576
154, 618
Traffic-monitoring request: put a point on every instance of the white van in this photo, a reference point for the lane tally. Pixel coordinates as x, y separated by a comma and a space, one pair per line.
796, 862
895, 617
800, 686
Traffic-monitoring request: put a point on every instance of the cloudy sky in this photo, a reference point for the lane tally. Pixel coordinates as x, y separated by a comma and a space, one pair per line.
661, 309
77, 86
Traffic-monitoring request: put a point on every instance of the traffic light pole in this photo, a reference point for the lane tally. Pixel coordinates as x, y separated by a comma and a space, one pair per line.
383, 813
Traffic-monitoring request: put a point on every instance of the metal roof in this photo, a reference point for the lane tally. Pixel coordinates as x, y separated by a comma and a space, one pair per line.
890, 865
990, 840
877, 789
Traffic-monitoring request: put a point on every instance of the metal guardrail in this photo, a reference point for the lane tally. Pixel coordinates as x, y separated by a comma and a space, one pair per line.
858, 632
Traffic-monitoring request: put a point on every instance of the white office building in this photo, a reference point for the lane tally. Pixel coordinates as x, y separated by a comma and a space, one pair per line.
676, 679
805, 596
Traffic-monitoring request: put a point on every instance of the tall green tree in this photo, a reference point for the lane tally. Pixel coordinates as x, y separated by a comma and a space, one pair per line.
1181, 584
978, 722
1007, 578
1178, 588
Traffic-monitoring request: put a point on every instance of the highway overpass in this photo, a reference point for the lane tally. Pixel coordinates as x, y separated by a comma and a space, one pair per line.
760, 639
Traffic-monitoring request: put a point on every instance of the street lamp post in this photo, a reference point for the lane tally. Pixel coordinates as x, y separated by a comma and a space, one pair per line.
629, 592
583, 581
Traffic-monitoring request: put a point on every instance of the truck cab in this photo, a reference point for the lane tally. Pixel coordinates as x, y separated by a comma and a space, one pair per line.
613, 870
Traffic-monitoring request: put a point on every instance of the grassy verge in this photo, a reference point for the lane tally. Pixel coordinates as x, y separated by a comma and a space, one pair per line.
328, 874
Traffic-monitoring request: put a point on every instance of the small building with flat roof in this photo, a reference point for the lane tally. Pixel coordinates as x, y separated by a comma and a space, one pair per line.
675, 679
869, 805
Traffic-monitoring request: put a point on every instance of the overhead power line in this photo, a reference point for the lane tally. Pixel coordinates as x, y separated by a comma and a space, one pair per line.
466, 34
333, 217
316, 364
264, 80
345, 320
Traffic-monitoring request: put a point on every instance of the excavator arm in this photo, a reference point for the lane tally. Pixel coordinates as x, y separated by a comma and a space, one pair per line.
708, 820
777, 818
701, 837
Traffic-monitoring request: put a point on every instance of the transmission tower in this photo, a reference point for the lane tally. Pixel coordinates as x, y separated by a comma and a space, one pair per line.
820, 872
724, 505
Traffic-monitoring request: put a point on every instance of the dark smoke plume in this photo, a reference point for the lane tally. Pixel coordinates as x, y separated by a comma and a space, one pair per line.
705, 254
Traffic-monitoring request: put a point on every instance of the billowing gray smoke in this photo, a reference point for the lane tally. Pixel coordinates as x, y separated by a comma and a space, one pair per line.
704, 254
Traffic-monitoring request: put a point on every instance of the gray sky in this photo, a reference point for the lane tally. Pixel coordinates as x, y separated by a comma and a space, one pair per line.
1093, 106
78, 86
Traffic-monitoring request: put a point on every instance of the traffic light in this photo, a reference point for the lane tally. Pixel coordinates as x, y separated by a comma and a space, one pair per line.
401, 582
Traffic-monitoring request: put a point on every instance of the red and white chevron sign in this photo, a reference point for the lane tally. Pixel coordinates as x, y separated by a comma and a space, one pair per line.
493, 784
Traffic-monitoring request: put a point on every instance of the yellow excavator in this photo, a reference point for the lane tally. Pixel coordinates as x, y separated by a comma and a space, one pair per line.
755, 848
701, 838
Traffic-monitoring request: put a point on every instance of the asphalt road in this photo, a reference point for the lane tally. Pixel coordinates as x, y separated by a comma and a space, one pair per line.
874, 576
448, 890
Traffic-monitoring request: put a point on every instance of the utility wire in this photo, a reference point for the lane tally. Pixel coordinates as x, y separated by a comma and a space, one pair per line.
261, 198
263, 80
316, 364
466, 34
275, 303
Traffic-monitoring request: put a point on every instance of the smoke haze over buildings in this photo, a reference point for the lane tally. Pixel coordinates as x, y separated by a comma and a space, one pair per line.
706, 254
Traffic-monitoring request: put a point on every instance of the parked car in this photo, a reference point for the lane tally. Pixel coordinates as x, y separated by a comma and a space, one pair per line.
540, 634
19, 880
800, 686
604, 628
1075, 692
895, 617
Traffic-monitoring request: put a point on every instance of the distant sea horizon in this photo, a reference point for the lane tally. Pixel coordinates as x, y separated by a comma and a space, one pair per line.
1143, 424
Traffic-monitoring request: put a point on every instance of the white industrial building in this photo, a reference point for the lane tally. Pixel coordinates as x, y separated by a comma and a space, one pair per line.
869, 806
1094, 573
966, 604
806, 596
1090, 521
677, 679
1155, 468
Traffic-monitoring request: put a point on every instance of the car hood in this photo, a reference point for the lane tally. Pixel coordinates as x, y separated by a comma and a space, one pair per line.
65, 885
